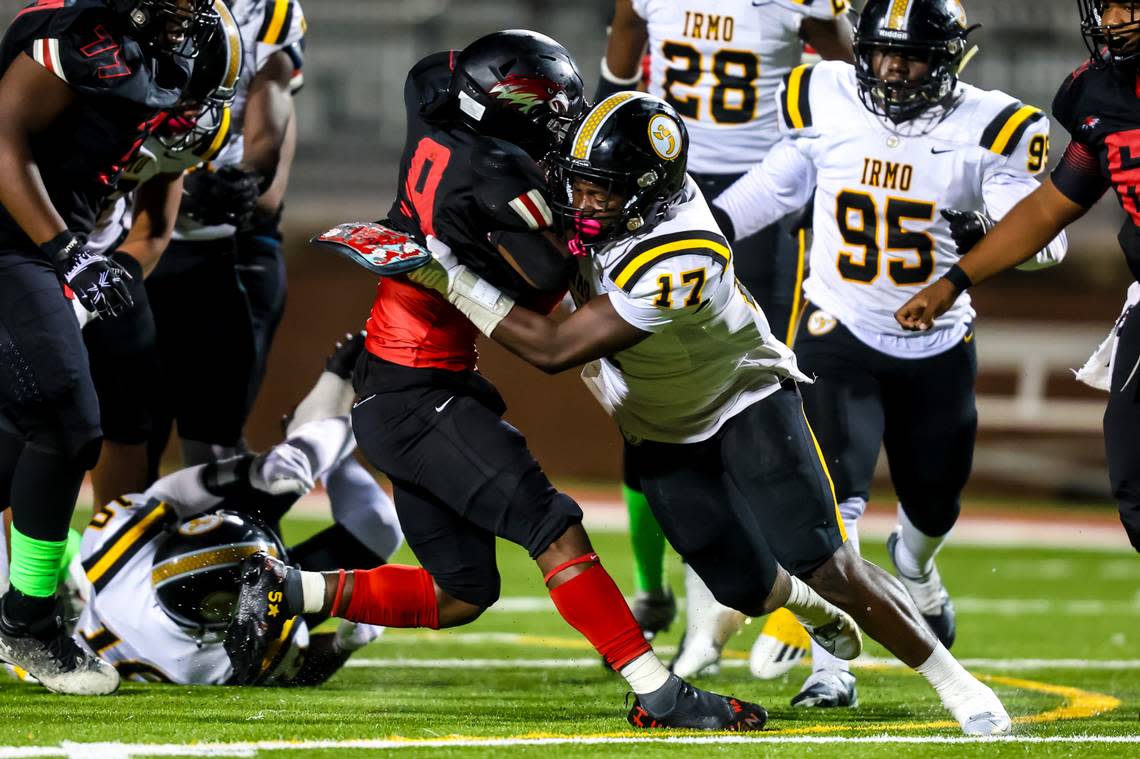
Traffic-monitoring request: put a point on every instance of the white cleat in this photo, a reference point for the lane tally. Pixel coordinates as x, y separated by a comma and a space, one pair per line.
982, 714
697, 656
782, 644
840, 638
828, 689
988, 724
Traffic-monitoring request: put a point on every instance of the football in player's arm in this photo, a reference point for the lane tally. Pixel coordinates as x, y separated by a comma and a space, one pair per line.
1097, 105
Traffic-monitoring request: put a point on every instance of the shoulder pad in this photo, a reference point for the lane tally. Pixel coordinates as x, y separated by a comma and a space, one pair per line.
283, 23
81, 44
1005, 129
143, 525
650, 253
1066, 101
795, 104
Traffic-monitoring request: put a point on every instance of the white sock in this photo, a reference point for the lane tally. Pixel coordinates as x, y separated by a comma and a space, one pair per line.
645, 674
707, 618
353, 636
914, 555
312, 592
850, 511
331, 396
808, 606
957, 688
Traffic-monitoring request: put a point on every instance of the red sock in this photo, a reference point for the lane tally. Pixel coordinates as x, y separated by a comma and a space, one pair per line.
592, 604
393, 596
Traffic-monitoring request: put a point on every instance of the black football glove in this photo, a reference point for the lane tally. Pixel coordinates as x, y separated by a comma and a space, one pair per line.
99, 283
967, 228
225, 196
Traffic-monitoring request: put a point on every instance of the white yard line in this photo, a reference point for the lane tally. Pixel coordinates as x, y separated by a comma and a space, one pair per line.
246, 749
1003, 607
593, 662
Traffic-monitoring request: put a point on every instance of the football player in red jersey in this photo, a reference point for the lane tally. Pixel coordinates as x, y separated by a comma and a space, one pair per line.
477, 121
1099, 105
83, 84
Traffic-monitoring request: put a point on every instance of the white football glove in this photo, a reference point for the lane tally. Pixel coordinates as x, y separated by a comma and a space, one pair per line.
476, 298
281, 470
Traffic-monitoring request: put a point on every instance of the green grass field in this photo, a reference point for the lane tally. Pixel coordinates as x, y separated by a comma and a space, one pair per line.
1056, 632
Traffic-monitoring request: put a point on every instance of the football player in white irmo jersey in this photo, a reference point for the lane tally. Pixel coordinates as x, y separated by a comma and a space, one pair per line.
718, 63
683, 359
909, 168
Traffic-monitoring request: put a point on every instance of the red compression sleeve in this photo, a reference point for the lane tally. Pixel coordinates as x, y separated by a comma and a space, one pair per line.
393, 596
592, 604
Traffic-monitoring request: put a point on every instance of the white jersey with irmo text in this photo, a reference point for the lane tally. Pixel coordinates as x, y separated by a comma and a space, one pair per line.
710, 354
718, 62
880, 188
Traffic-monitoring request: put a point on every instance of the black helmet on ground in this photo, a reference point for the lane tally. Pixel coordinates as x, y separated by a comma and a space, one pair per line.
196, 569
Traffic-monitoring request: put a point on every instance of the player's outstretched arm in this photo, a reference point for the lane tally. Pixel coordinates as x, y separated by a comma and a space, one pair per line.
621, 65
1028, 228
592, 331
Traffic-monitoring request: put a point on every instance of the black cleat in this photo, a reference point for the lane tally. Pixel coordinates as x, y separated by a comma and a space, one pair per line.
654, 611
46, 651
929, 595
270, 596
344, 356
697, 709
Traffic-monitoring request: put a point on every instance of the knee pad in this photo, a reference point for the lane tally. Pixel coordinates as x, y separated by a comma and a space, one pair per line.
51, 432
745, 591
479, 587
88, 454
560, 514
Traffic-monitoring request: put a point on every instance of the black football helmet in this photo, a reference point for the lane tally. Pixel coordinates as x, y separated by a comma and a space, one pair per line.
173, 26
931, 31
1115, 45
202, 111
635, 146
518, 86
196, 569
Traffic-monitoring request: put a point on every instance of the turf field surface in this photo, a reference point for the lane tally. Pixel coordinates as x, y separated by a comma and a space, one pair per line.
1054, 630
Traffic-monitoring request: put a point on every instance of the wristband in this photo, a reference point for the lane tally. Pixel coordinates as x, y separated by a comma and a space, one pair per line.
613, 78
957, 277
62, 247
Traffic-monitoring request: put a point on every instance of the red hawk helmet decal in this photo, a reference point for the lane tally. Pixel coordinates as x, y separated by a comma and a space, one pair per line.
525, 92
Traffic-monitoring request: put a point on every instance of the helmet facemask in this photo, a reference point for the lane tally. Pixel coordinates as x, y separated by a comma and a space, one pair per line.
1114, 41
203, 109
176, 27
907, 98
